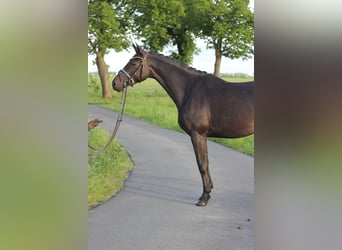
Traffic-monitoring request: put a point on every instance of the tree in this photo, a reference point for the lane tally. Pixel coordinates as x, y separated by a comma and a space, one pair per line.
184, 41
161, 23
228, 27
107, 25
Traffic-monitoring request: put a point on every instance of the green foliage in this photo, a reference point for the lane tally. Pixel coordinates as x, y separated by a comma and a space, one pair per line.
107, 26
163, 23
155, 19
93, 86
228, 25
107, 171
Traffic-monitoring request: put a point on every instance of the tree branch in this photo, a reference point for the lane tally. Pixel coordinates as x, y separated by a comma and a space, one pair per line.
92, 44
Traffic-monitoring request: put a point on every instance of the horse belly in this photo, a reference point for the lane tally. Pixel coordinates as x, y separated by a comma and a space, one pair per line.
232, 124
231, 130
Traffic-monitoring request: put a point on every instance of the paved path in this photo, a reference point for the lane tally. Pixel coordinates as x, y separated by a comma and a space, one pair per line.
156, 208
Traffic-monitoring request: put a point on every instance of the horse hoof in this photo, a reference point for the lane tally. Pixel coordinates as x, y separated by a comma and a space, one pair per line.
201, 203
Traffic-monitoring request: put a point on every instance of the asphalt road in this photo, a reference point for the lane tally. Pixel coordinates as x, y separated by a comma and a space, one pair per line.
156, 208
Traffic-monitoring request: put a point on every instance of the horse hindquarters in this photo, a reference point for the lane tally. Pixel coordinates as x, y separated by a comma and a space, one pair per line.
200, 147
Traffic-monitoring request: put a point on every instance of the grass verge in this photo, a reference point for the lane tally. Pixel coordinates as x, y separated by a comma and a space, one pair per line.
107, 171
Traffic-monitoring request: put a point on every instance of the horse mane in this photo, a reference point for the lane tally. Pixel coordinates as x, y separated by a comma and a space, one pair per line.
179, 64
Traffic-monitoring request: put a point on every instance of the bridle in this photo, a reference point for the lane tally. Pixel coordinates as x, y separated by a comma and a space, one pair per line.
129, 78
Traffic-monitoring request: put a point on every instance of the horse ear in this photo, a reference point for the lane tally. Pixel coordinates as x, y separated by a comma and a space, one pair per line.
139, 50
135, 47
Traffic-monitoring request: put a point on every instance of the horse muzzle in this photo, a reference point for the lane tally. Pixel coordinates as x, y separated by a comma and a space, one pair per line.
118, 84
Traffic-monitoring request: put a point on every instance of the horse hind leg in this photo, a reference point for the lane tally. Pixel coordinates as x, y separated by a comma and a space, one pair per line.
200, 147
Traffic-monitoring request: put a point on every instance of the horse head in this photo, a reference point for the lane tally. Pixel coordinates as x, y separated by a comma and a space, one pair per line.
134, 71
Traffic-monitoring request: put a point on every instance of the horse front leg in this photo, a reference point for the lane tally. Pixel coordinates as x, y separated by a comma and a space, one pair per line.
199, 143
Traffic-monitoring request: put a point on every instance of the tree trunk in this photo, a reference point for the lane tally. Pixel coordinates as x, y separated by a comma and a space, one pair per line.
218, 57
103, 73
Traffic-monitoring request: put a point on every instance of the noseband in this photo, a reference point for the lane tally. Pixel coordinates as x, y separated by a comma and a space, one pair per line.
129, 78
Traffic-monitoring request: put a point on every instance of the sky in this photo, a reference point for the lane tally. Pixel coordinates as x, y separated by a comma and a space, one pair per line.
203, 61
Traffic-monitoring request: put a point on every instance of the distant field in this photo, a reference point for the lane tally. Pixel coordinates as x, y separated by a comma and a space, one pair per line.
149, 101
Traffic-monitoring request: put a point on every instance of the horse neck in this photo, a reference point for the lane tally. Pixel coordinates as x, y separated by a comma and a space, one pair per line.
170, 76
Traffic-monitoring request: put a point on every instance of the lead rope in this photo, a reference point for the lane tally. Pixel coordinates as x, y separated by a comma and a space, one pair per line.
117, 124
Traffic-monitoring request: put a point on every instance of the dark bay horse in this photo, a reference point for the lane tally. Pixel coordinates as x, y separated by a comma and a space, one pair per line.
207, 105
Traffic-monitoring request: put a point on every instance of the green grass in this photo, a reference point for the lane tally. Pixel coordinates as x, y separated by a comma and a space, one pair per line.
149, 101
108, 170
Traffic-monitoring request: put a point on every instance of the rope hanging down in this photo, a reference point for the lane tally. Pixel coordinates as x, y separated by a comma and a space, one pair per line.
117, 124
